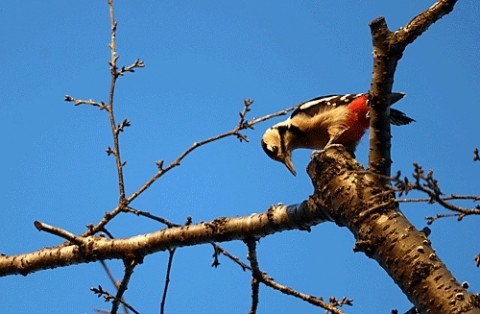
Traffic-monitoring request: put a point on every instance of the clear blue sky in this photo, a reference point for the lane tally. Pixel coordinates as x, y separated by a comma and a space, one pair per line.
202, 60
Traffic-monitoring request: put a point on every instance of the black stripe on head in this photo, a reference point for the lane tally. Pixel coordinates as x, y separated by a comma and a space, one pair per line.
281, 131
296, 131
270, 153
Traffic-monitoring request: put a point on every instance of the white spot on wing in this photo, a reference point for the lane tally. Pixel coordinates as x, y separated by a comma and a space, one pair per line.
314, 102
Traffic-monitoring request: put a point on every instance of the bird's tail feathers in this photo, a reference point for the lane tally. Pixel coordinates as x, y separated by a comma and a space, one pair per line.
398, 117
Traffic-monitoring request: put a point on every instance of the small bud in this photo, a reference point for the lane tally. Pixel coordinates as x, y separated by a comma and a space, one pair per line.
247, 102
109, 151
427, 231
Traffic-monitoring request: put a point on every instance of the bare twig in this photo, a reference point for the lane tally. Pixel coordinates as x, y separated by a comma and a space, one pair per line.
242, 125
130, 264
431, 219
266, 280
476, 155
131, 68
89, 102
109, 273
59, 232
116, 129
220, 250
100, 226
167, 280
426, 183
308, 298
113, 281
107, 296
450, 197
110, 107
256, 273
337, 303
161, 220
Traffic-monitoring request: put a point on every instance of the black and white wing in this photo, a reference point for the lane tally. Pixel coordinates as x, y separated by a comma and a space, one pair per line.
323, 103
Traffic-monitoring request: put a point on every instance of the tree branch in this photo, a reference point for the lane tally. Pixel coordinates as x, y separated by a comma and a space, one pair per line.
59, 232
171, 253
388, 48
256, 273
93, 248
427, 184
130, 264
259, 276
236, 131
110, 106
353, 196
99, 291
243, 124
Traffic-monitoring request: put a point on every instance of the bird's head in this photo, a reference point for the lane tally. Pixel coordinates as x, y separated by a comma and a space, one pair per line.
275, 146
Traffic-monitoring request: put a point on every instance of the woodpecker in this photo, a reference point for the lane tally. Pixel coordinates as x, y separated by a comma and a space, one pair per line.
323, 121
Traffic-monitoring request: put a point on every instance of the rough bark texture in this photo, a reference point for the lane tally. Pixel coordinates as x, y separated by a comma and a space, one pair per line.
385, 61
94, 248
388, 48
358, 200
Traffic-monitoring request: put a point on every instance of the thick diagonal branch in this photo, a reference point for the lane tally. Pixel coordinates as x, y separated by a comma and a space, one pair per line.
357, 200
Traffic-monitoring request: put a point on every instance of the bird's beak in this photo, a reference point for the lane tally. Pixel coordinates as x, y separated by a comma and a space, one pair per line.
289, 164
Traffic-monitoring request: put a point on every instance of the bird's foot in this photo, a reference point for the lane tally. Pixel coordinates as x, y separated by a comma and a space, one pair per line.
332, 145
316, 152
319, 151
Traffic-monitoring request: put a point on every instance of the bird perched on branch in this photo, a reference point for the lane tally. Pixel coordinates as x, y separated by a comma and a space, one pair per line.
323, 121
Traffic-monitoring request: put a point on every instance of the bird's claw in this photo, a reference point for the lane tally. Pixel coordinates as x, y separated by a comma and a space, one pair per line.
316, 152
332, 145
319, 151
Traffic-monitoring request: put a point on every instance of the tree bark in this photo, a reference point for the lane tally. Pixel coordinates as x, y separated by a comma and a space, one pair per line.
80, 249
358, 200
388, 49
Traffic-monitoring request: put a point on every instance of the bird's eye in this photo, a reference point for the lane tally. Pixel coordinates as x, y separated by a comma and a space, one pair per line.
271, 151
